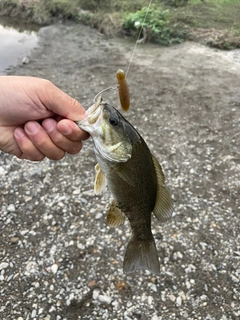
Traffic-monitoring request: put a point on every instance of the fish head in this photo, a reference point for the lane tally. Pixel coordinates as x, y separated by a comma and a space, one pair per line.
112, 134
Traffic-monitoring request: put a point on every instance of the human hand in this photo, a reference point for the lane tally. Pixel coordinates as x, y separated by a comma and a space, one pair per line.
37, 119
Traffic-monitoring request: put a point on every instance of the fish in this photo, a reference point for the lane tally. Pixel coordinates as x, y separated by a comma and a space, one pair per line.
134, 178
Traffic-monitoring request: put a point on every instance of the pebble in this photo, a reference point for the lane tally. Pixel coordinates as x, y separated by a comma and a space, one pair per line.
190, 268
3, 265
95, 294
178, 301
98, 216
25, 60
104, 299
34, 313
76, 192
234, 279
150, 300
2, 171
177, 255
14, 240
11, 208
185, 314
115, 304
54, 268
203, 297
154, 287
172, 297
52, 308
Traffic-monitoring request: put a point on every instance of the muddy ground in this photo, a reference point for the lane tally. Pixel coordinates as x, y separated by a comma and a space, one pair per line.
58, 258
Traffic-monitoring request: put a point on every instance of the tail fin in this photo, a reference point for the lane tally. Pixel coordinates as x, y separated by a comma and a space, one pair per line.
141, 255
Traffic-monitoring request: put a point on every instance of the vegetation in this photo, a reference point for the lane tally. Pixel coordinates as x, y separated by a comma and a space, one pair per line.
213, 22
155, 25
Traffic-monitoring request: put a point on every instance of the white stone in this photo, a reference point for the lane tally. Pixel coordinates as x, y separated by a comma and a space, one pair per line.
34, 313
2, 171
172, 297
95, 294
54, 268
98, 216
77, 191
25, 60
3, 265
104, 299
179, 301
150, 300
11, 208
154, 287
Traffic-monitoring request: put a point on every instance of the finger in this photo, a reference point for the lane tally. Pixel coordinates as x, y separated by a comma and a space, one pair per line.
8, 143
42, 141
28, 150
72, 147
71, 130
60, 103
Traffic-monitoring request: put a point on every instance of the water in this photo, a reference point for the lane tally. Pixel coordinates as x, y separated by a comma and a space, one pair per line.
16, 42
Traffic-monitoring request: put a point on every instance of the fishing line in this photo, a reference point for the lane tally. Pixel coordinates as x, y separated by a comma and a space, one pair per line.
132, 55
99, 93
139, 35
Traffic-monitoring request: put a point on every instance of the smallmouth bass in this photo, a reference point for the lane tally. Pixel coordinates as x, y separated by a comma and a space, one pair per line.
134, 178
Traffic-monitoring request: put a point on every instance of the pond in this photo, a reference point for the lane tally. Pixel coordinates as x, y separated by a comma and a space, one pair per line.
17, 39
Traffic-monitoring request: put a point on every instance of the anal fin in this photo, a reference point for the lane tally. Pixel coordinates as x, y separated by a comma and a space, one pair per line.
115, 217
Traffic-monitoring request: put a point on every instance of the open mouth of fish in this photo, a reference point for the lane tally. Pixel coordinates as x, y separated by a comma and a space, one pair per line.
94, 111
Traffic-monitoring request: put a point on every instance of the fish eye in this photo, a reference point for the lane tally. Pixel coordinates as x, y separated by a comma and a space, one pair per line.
113, 121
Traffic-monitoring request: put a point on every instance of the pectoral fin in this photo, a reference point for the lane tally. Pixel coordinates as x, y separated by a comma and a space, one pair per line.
125, 174
100, 180
163, 205
115, 217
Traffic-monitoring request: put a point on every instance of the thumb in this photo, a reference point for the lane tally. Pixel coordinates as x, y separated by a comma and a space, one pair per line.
61, 103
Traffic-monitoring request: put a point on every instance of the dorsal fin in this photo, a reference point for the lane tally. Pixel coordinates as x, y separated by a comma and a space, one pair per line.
163, 205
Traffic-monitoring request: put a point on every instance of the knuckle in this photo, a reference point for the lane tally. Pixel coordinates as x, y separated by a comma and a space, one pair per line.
57, 156
33, 156
75, 149
47, 83
57, 139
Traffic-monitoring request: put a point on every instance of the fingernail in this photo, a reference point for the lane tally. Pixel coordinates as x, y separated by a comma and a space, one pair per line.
66, 129
48, 125
31, 128
19, 133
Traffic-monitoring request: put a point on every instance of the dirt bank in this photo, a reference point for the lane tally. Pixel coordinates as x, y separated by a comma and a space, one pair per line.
59, 260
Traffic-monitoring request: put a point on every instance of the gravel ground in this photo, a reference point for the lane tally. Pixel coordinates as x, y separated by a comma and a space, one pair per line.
58, 258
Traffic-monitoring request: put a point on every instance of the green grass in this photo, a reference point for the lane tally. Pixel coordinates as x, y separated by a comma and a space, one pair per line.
216, 1
108, 16
220, 19
220, 14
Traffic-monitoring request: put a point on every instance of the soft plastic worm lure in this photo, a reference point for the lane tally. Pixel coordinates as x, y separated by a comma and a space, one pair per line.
123, 90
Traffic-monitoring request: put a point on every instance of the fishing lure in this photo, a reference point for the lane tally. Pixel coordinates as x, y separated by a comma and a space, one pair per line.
123, 90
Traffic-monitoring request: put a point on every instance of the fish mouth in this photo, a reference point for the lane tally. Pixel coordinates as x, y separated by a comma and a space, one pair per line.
93, 114
94, 111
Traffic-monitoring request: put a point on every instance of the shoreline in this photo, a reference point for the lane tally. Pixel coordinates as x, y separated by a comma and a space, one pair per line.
110, 23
